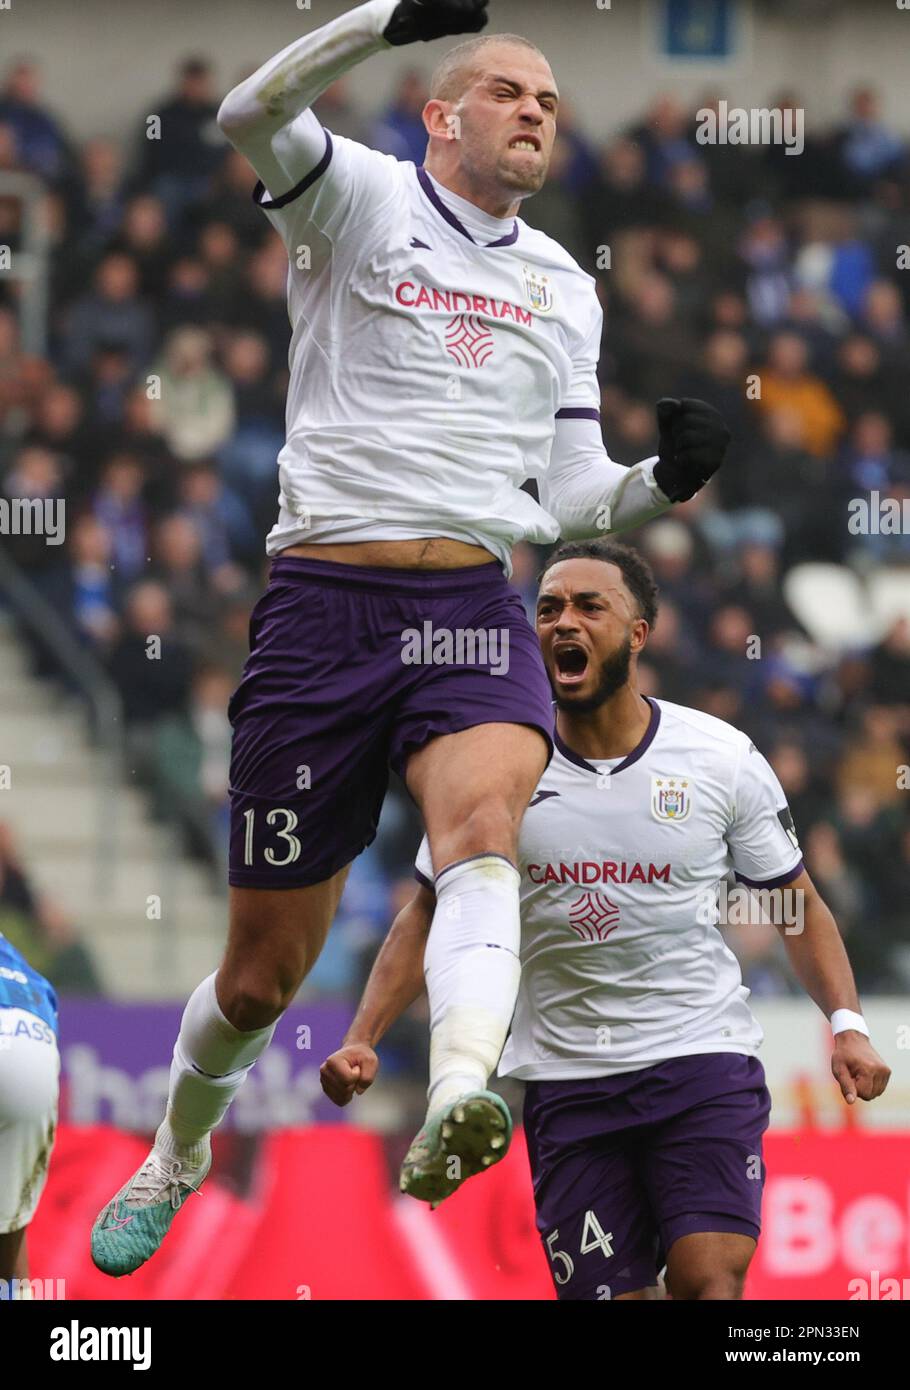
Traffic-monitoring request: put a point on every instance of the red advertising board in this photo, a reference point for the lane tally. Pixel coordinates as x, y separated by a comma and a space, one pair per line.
322, 1221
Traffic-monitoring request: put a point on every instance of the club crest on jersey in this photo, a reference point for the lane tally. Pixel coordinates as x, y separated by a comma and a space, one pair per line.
540, 295
671, 798
593, 917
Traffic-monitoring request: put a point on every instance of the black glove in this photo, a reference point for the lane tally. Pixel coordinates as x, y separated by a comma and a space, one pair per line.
434, 19
693, 441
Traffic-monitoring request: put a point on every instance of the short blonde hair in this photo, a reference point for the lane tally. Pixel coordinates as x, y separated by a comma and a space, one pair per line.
453, 73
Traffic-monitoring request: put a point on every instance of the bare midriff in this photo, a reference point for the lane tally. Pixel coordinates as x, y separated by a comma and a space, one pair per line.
433, 553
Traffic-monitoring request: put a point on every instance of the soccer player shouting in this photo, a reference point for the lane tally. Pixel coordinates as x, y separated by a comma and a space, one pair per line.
442, 353
646, 1102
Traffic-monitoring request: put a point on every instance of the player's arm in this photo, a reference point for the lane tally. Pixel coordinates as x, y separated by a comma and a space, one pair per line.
819, 960
586, 492
766, 855
268, 116
396, 980
589, 494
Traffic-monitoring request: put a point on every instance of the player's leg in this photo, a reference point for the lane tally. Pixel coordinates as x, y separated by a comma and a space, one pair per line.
308, 775
709, 1265
705, 1173
472, 789
471, 738
274, 939
593, 1213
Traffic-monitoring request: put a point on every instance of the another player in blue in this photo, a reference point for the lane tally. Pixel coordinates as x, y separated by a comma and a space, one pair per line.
29, 1087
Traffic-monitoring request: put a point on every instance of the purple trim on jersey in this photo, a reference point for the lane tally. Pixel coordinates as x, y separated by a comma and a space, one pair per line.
306, 182
637, 752
578, 413
780, 882
454, 221
427, 882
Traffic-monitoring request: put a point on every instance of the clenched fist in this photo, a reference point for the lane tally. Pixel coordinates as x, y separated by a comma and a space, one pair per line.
693, 441
348, 1072
857, 1067
424, 20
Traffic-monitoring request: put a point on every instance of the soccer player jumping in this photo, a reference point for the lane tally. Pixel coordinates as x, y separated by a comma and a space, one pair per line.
442, 353
646, 1102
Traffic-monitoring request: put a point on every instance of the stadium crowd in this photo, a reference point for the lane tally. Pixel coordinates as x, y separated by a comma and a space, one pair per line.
718, 266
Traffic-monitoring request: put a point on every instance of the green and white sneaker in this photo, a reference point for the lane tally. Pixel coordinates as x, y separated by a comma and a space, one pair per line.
463, 1138
129, 1230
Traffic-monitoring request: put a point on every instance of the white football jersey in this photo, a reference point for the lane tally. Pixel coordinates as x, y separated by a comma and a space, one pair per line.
622, 966
428, 361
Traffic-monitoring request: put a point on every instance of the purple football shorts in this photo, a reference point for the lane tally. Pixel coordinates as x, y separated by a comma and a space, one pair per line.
625, 1165
351, 669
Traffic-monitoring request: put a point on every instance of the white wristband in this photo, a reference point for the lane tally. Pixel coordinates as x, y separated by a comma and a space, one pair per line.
844, 1019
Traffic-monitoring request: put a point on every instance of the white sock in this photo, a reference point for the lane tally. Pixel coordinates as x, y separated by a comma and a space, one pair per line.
211, 1062
472, 971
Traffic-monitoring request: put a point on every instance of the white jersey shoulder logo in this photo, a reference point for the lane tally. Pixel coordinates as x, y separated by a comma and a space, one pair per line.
671, 798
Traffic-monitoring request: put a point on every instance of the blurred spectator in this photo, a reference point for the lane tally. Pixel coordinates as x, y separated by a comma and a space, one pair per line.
765, 252
40, 142
39, 927
264, 307
787, 382
219, 518
883, 316
664, 138
248, 457
119, 507
180, 565
890, 684
192, 751
99, 202
23, 378
178, 163
579, 155
58, 424
400, 129
556, 212
620, 196
111, 315
231, 200
649, 343
219, 251
195, 409
337, 112
36, 477
144, 238
872, 758
149, 664
865, 146
93, 597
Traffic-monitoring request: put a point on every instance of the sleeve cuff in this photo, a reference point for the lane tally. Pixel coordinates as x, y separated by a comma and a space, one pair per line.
270, 204
578, 412
780, 882
647, 473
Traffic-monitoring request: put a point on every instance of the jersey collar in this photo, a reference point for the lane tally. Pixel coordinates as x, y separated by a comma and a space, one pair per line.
454, 221
638, 752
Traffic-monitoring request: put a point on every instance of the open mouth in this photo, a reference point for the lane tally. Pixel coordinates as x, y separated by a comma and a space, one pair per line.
571, 663
527, 143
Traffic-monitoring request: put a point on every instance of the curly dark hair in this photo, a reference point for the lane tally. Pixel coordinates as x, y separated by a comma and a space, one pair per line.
636, 572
